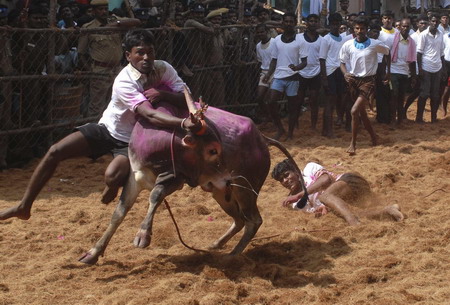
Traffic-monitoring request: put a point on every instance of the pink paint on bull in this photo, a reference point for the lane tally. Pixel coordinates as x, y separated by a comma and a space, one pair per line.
231, 160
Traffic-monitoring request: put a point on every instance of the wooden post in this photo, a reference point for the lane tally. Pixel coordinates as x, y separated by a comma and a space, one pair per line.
241, 11
298, 11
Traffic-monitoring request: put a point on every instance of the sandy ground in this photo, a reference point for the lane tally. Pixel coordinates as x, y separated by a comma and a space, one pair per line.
294, 259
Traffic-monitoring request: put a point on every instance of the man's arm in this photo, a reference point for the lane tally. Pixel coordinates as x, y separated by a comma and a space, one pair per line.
174, 98
323, 73
302, 65
419, 63
321, 183
387, 61
272, 66
195, 24
161, 119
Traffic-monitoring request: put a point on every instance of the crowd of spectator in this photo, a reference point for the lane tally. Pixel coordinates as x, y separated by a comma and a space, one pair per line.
214, 52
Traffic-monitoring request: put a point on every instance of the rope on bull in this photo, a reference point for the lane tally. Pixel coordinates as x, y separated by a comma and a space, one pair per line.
178, 231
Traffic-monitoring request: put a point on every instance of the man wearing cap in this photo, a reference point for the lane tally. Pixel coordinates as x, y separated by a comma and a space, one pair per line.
103, 52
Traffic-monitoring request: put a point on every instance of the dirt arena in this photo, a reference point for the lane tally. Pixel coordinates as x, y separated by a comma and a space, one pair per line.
295, 258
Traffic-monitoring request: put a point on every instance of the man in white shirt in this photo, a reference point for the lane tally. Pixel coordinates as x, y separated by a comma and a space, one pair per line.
284, 65
264, 57
403, 65
422, 25
446, 93
142, 81
310, 75
382, 90
361, 55
443, 26
332, 78
430, 59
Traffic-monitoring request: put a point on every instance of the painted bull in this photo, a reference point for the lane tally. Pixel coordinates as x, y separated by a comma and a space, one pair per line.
231, 160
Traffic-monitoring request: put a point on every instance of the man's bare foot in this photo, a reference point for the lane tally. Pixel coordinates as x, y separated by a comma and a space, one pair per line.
328, 134
419, 121
394, 211
109, 194
376, 140
353, 221
16, 211
351, 150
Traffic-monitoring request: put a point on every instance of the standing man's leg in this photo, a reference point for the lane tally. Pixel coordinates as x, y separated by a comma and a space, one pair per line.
276, 93
425, 87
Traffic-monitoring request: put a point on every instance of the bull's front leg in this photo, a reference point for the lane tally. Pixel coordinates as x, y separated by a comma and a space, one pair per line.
157, 195
127, 200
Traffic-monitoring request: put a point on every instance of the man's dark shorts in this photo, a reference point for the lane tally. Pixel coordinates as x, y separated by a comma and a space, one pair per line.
101, 142
430, 84
309, 83
361, 86
336, 83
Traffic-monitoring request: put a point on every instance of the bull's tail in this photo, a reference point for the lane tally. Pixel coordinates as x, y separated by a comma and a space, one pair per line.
272, 142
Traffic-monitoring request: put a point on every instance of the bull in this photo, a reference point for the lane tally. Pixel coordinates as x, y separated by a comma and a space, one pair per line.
229, 158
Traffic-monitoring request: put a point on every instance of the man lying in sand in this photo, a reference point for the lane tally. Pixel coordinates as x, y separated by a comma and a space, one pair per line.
328, 191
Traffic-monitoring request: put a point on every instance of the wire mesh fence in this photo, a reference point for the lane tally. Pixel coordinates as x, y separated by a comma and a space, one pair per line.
52, 80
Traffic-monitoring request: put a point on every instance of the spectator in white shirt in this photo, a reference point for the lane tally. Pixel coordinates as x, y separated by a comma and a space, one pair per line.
332, 78
284, 65
422, 25
382, 89
443, 26
403, 65
361, 55
430, 59
310, 75
143, 82
264, 56
446, 93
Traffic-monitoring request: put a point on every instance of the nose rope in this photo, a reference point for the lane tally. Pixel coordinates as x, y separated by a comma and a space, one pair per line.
172, 154
244, 187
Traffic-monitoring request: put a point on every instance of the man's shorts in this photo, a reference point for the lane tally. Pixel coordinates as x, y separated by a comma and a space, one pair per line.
261, 76
430, 84
290, 87
400, 83
101, 142
361, 86
310, 83
336, 83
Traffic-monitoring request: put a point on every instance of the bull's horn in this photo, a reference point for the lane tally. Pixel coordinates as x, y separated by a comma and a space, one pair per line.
189, 100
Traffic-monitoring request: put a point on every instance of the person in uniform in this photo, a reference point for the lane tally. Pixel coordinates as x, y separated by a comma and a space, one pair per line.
101, 54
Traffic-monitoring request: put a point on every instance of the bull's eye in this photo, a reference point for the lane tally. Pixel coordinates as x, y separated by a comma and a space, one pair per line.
213, 151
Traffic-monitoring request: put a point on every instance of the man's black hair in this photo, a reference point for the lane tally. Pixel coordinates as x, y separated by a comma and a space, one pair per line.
422, 17
444, 13
334, 17
258, 11
281, 168
351, 15
388, 13
310, 16
375, 26
138, 37
361, 20
262, 26
289, 14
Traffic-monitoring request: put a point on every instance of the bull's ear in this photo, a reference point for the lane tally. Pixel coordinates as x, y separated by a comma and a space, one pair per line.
189, 141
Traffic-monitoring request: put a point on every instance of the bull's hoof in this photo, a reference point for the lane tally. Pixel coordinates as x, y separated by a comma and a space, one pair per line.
142, 240
88, 258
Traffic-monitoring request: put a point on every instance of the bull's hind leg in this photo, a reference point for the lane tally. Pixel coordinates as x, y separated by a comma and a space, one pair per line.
162, 189
230, 207
127, 200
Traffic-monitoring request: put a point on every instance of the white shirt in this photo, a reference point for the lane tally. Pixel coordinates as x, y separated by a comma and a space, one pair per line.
401, 66
362, 62
287, 54
447, 47
444, 30
128, 93
432, 49
387, 39
264, 53
329, 50
312, 68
